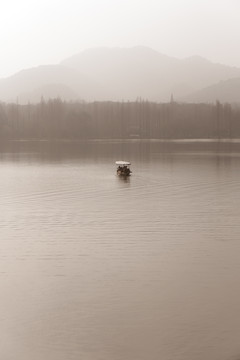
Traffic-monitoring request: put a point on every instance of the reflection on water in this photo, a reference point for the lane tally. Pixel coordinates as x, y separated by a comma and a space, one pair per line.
94, 266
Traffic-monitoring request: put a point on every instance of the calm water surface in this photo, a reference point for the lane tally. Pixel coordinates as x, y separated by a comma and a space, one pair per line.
96, 267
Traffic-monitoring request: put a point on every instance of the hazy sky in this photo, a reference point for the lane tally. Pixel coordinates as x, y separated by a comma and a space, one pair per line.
34, 32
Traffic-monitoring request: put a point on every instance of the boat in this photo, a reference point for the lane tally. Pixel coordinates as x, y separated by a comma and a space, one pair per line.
123, 168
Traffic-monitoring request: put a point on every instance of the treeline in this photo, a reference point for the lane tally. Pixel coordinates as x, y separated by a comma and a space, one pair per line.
55, 119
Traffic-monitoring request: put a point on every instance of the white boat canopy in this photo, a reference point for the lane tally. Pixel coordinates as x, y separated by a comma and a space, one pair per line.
122, 163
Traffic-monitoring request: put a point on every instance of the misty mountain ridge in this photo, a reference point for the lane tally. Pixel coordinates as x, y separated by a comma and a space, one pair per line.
122, 74
224, 91
24, 85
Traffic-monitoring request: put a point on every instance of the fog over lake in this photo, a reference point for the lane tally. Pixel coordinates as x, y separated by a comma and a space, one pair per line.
98, 267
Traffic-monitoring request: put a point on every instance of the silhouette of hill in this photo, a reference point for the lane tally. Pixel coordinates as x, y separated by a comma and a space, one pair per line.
116, 74
48, 80
223, 91
127, 73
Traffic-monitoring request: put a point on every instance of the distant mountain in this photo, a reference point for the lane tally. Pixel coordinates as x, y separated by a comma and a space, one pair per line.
127, 73
116, 74
140, 71
46, 81
223, 91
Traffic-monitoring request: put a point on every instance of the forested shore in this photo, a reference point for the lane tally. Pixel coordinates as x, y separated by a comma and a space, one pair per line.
55, 119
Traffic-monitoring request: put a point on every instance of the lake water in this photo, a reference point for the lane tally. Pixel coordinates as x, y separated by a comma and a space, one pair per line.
96, 267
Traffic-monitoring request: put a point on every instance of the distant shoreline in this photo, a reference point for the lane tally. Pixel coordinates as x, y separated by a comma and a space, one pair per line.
58, 120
